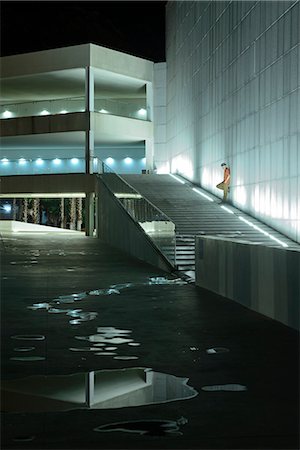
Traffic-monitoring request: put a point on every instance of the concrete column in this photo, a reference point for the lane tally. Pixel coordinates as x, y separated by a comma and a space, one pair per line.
89, 107
149, 101
62, 212
79, 213
149, 147
89, 214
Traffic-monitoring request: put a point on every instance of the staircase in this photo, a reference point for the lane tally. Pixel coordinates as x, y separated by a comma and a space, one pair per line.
195, 215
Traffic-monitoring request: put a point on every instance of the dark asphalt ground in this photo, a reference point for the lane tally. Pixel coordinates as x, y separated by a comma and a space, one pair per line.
175, 325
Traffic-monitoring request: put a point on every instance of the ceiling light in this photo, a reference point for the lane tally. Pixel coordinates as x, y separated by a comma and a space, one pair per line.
44, 113
7, 114
22, 161
103, 111
74, 160
39, 161
57, 161
128, 160
63, 111
142, 112
110, 160
4, 160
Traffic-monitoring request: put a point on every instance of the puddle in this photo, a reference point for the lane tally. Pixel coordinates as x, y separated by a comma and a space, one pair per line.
36, 306
105, 353
23, 349
225, 387
134, 344
109, 336
28, 358
23, 438
146, 427
85, 349
94, 390
104, 292
193, 349
212, 351
29, 337
125, 358
163, 280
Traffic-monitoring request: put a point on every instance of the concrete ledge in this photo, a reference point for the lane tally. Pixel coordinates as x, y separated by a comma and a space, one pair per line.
14, 226
47, 183
264, 279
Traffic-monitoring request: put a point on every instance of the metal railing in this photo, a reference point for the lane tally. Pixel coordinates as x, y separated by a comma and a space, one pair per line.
156, 224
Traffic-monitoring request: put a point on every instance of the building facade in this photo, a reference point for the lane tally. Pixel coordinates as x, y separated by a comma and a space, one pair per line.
233, 95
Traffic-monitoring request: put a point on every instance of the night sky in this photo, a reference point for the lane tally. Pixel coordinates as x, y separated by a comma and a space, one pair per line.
136, 27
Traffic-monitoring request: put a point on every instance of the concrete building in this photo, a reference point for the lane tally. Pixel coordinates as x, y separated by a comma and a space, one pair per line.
233, 95
93, 326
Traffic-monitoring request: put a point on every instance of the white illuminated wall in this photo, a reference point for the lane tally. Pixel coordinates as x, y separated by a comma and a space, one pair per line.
160, 117
233, 95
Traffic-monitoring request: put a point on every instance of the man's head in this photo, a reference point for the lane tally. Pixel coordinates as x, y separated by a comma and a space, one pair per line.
223, 165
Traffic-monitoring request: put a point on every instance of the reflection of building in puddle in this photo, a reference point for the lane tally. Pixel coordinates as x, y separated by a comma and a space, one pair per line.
95, 390
146, 427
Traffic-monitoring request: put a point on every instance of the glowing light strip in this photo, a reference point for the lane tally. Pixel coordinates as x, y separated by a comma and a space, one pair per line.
227, 209
203, 195
176, 178
263, 232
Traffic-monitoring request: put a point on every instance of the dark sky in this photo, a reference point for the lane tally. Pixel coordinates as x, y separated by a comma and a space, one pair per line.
136, 27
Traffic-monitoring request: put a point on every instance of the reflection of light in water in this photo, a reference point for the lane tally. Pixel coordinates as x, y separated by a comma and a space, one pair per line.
212, 351
94, 390
224, 387
29, 337
28, 358
23, 349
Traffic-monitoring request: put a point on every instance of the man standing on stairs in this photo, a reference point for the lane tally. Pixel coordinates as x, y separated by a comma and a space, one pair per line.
224, 185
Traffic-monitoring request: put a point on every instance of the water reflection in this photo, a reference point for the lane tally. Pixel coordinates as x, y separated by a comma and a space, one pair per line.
94, 390
146, 427
224, 387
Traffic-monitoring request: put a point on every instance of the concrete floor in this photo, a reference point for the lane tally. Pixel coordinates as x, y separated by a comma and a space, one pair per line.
175, 325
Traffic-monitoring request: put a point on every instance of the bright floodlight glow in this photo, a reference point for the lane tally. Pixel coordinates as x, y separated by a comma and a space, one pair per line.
144, 160
7, 114
227, 209
7, 208
4, 160
74, 160
44, 113
56, 161
103, 111
176, 178
39, 161
142, 112
110, 160
22, 161
203, 195
263, 231
63, 111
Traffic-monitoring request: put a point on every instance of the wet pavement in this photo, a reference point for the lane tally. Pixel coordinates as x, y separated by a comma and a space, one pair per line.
154, 362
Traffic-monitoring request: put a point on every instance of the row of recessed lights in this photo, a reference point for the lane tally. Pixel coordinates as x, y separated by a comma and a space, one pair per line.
248, 222
57, 161
8, 114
